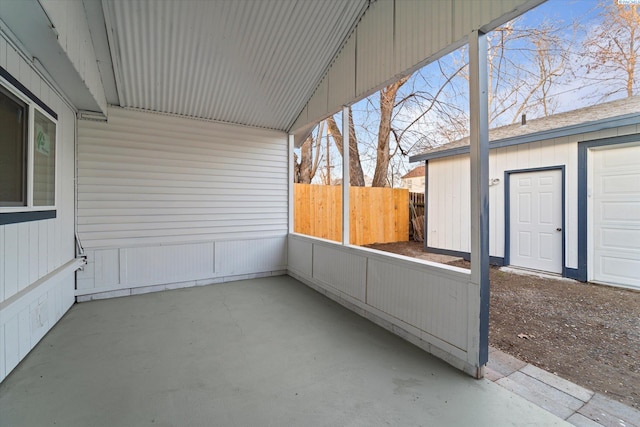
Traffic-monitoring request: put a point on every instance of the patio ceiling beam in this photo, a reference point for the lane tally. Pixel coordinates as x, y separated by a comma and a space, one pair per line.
479, 149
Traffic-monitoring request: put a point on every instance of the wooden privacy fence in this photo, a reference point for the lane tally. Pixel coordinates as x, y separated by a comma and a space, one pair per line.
377, 215
416, 225
418, 202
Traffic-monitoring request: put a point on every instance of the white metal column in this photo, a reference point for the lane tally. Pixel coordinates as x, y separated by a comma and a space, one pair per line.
290, 186
346, 177
479, 150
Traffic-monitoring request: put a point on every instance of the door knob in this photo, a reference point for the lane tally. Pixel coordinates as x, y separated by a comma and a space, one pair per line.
558, 229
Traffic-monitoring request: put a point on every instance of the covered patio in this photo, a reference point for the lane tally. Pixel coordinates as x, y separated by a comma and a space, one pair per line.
170, 135
266, 351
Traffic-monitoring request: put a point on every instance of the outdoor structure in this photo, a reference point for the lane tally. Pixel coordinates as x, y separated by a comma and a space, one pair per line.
564, 194
133, 124
414, 180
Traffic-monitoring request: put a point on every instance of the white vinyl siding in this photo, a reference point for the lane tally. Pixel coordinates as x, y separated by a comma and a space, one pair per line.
168, 185
448, 192
36, 288
147, 178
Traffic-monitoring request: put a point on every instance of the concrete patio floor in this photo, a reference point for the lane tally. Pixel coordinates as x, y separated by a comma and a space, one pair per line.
260, 352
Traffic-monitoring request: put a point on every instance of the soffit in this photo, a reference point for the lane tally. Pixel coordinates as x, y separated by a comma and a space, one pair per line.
254, 63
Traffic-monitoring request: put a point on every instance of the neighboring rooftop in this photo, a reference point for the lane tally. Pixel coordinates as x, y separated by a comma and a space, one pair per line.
562, 121
416, 172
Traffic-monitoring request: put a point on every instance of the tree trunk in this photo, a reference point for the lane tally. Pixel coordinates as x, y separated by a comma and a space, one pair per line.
306, 152
356, 177
387, 103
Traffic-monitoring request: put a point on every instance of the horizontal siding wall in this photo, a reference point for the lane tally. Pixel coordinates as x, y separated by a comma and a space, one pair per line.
448, 181
35, 288
165, 200
430, 305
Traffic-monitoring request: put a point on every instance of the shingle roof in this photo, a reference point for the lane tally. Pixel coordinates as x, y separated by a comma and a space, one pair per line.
415, 172
556, 121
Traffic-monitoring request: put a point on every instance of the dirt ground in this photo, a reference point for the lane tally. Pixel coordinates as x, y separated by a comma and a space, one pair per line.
588, 334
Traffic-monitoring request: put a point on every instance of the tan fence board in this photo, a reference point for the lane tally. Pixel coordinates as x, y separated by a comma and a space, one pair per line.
377, 215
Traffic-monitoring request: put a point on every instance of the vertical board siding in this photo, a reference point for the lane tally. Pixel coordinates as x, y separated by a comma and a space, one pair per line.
166, 200
3, 364
11, 343
32, 251
24, 322
413, 17
426, 304
472, 14
2, 265
341, 78
111, 270
248, 256
448, 204
300, 257
106, 267
434, 304
167, 264
374, 59
344, 272
320, 99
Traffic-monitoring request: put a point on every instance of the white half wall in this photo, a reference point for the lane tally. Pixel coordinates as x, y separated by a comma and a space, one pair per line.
37, 257
431, 305
167, 201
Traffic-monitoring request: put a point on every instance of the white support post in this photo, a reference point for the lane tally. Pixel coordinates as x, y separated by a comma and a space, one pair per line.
346, 181
290, 186
479, 151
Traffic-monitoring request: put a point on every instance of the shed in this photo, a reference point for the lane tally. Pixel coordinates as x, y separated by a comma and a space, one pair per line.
564, 194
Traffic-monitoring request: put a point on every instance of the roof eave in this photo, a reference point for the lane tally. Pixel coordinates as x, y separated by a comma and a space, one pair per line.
594, 126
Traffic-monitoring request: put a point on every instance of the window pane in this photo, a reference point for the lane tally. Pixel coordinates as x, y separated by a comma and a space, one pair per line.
13, 157
44, 163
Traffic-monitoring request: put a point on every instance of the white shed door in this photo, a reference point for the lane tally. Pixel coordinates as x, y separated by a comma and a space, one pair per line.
615, 216
535, 220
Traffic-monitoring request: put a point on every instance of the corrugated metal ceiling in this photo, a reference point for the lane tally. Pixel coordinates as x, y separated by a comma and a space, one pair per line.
249, 62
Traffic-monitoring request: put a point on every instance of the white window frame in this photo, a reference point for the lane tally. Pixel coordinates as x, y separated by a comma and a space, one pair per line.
32, 108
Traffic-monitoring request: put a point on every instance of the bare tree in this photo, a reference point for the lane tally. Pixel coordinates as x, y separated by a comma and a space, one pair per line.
613, 49
383, 154
549, 60
305, 169
430, 107
356, 176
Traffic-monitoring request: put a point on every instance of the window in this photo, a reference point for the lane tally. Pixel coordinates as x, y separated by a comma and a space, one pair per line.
44, 161
27, 153
13, 150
